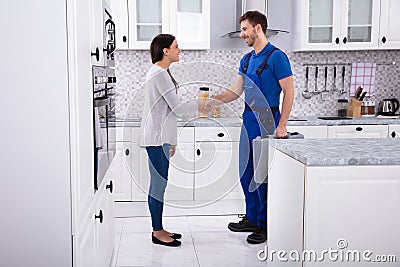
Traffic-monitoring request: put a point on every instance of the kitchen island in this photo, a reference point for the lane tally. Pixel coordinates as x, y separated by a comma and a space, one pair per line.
334, 194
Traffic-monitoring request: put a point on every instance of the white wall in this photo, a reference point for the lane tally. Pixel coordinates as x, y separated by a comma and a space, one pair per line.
35, 226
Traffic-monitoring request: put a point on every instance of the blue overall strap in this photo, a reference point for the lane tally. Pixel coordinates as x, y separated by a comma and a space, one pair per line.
264, 64
246, 62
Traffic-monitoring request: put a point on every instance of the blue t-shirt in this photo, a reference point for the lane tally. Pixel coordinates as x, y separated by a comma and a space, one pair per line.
278, 68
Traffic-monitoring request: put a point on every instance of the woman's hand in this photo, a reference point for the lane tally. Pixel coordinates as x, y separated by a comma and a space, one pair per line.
172, 150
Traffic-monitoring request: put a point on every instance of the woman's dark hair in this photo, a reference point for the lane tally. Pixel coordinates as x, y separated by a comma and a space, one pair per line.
157, 46
254, 18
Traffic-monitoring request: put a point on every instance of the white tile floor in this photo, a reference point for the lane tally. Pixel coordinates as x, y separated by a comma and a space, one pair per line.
206, 242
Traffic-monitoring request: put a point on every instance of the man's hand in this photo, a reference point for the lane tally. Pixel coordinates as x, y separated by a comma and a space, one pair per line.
280, 131
172, 150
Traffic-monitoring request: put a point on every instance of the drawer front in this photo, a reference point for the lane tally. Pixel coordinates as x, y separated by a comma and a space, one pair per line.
358, 131
123, 134
185, 135
394, 131
310, 131
217, 134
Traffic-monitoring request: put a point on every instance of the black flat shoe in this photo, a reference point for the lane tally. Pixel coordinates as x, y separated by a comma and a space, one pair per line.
176, 236
174, 243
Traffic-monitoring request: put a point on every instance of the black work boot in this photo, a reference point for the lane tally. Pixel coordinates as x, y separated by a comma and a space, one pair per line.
259, 236
243, 225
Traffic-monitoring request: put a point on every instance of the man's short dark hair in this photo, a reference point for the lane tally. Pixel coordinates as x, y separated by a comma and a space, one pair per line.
254, 18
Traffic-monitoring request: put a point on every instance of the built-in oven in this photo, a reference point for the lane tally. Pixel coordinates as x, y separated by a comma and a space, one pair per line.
104, 91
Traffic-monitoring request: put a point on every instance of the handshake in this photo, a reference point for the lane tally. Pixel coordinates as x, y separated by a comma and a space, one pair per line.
205, 105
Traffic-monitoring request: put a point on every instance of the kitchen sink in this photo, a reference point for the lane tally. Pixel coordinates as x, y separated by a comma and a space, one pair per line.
334, 118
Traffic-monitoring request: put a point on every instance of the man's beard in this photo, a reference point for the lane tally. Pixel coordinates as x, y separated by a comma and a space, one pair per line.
252, 38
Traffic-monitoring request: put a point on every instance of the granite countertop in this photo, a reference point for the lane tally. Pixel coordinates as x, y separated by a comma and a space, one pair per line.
342, 152
237, 121
314, 121
195, 122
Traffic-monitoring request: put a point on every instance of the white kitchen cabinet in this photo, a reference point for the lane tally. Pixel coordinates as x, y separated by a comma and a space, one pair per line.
339, 198
123, 181
123, 168
120, 18
53, 224
95, 240
217, 163
311, 208
358, 131
104, 221
190, 23
319, 131
389, 33
394, 131
336, 24
146, 19
181, 169
140, 20
85, 242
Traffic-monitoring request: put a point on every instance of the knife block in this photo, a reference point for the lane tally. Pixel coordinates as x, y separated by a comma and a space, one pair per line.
354, 109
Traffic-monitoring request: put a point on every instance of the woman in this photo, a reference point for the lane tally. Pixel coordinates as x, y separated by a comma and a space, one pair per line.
159, 129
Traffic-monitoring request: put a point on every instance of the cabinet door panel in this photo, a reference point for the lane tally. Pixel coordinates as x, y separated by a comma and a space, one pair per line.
123, 168
120, 18
358, 131
390, 25
181, 173
358, 204
310, 131
359, 24
216, 170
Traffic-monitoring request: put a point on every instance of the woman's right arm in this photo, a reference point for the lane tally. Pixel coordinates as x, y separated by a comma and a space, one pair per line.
167, 90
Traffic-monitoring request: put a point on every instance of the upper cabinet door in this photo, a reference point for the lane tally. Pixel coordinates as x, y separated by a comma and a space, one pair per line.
359, 24
120, 18
147, 18
336, 24
316, 24
190, 23
390, 25
138, 21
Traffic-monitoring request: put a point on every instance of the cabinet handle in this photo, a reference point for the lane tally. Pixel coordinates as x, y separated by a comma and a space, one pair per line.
345, 40
100, 216
359, 129
127, 152
383, 39
124, 39
198, 152
220, 135
97, 54
110, 187
393, 134
337, 40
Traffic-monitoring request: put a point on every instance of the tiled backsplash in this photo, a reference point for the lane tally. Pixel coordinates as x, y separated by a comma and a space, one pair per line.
218, 69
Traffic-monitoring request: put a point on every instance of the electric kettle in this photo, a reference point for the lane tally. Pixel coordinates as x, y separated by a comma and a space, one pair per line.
388, 107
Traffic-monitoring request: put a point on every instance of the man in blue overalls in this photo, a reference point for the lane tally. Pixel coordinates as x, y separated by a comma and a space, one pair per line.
263, 74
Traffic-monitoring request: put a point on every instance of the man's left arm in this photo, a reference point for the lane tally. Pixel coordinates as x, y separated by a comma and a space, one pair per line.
288, 96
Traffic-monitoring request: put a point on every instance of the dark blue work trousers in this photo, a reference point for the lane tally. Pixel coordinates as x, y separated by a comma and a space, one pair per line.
255, 193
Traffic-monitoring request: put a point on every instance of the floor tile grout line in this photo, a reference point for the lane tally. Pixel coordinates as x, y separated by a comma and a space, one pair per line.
194, 246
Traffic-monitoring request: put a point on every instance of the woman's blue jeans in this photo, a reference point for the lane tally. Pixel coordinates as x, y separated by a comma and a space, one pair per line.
158, 167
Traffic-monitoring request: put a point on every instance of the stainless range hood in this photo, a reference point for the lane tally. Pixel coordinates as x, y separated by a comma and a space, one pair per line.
245, 5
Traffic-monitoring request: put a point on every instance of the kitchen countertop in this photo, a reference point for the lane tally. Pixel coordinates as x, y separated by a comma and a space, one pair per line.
342, 152
236, 122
